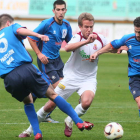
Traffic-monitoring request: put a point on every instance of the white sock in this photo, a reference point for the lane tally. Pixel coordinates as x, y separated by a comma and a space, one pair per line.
41, 114
79, 110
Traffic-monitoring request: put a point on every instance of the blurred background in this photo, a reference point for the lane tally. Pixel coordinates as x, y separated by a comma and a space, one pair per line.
113, 18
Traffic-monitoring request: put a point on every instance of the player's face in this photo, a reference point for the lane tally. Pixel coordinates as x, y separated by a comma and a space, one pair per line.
137, 32
86, 28
59, 12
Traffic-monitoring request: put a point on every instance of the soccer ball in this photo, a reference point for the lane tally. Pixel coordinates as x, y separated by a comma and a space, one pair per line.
113, 131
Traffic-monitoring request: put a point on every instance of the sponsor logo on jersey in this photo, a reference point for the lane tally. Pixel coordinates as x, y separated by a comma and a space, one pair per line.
95, 47
61, 86
7, 57
83, 54
58, 43
136, 60
64, 33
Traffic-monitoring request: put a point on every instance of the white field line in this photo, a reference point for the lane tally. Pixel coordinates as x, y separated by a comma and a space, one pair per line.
2, 123
58, 108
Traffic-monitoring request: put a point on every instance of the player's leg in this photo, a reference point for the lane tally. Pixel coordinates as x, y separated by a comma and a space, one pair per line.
54, 77
31, 114
86, 98
134, 87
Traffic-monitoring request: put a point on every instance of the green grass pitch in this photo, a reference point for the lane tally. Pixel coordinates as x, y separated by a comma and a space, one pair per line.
113, 102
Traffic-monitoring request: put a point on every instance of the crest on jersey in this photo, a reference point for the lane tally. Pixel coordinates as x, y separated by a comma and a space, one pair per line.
95, 47
64, 33
54, 32
130, 47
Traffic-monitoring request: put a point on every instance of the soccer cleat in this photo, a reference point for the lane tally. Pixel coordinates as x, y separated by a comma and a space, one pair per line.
24, 134
85, 125
50, 120
68, 128
38, 136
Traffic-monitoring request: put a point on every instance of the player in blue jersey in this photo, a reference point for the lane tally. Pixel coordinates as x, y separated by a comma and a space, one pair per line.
132, 46
21, 77
48, 57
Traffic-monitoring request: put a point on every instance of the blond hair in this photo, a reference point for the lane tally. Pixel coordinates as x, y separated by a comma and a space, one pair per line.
85, 16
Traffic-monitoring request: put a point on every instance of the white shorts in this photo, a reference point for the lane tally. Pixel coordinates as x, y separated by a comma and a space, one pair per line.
66, 88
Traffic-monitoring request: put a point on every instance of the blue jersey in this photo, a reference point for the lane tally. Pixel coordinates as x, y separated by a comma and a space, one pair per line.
57, 33
12, 50
133, 52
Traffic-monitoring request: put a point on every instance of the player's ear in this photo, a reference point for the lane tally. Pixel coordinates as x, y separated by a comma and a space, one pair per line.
8, 23
80, 26
53, 11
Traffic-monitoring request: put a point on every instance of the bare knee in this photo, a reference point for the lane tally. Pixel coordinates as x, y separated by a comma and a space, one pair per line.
86, 104
86, 99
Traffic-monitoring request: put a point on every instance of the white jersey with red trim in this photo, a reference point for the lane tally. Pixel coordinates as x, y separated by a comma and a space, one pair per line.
78, 67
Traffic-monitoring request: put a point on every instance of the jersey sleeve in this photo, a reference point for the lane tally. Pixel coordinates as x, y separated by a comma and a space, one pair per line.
74, 39
118, 42
40, 29
15, 27
69, 34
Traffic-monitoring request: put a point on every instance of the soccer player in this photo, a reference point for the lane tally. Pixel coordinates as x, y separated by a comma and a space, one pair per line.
21, 77
48, 58
132, 46
79, 72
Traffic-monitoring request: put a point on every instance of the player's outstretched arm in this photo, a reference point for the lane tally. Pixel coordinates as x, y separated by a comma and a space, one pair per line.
107, 48
74, 46
26, 32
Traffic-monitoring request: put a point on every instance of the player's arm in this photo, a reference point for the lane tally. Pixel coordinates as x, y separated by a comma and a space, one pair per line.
74, 46
106, 49
26, 32
42, 57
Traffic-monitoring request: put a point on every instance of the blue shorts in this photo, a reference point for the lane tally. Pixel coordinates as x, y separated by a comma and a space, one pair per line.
54, 69
26, 79
134, 86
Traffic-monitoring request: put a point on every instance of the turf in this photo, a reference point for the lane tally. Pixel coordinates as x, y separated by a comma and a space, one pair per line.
113, 102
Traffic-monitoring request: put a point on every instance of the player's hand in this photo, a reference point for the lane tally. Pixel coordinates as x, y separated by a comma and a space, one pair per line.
43, 58
44, 38
93, 57
91, 38
121, 49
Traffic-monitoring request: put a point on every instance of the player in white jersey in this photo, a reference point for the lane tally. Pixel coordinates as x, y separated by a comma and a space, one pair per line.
79, 72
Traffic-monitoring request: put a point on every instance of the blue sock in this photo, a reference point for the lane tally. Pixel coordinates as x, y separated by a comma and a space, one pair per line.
32, 117
139, 112
67, 108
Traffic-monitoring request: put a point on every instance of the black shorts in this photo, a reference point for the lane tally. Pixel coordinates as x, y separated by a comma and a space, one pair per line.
26, 79
54, 69
134, 86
